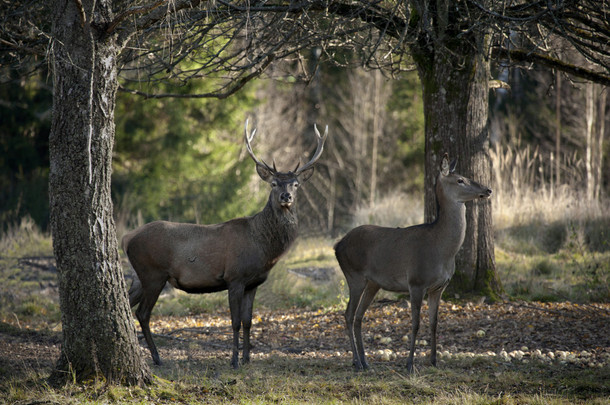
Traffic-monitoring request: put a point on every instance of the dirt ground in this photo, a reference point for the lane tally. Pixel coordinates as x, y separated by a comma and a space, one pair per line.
509, 332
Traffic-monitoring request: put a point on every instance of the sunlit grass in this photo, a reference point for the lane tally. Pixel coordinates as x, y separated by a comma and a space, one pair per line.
23, 240
552, 242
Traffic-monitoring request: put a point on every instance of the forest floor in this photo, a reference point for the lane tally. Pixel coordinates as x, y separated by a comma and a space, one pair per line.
530, 352
505, 352
565, 333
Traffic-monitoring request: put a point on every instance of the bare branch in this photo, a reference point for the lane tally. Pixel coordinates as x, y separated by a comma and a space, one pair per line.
81, 12
236, 86
132, 11
232, 42
518, 55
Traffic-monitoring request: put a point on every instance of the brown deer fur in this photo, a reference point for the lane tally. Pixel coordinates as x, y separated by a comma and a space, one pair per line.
417, 259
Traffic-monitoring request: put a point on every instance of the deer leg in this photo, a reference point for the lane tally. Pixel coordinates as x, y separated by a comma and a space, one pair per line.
246, 320
417, 296
236, 297
366, 298
135, 293
150, 294
434, 298
356, 288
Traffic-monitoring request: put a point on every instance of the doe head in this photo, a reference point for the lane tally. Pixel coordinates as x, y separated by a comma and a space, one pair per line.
458, 187
284, 185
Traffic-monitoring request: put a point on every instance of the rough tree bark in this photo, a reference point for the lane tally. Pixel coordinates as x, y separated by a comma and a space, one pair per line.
455, 94
99, 336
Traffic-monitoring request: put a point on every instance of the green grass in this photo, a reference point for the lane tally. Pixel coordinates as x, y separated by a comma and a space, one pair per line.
567, 262
24, 240
280, 379
27, 295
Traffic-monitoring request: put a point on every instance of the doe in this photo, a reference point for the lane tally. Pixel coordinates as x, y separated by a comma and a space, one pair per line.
417, 259
236, 255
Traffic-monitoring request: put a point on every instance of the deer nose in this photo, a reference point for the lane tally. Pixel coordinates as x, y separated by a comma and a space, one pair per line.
487, 193
286, 198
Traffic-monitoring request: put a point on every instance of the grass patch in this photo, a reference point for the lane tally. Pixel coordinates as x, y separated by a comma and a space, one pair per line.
278, 379
28, 279
573, 274
179, 303
24, 240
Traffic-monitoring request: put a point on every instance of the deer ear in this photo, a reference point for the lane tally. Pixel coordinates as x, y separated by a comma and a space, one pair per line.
453, 165
306, 174
445, 165
264, 173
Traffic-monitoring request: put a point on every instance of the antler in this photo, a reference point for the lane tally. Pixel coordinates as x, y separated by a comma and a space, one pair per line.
321, 139
319, 149
248, 139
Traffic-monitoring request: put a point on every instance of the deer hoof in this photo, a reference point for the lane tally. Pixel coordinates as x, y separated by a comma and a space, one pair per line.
360, 366
235, 363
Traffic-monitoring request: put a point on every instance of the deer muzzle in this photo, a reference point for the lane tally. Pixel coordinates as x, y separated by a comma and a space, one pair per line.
486, 194
286, 200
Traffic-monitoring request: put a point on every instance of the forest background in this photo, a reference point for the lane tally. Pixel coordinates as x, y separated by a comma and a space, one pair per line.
182, 159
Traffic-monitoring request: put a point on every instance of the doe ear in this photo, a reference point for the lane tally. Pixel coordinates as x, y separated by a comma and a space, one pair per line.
453, 165
306, 174
264, 173
445, 169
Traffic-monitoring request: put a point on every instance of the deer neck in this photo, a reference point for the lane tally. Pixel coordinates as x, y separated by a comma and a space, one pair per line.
450, 224
275, 228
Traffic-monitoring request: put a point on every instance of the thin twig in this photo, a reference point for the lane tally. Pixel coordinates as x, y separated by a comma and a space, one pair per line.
132, 11
81, 13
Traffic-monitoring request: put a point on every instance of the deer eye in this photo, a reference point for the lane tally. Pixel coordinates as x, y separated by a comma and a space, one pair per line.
274, 183
460, 181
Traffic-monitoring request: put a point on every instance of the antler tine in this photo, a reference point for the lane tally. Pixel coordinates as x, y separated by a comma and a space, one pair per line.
319, 149
248, 139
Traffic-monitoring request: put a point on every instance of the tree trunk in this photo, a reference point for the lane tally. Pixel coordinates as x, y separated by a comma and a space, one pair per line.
589, 118
455, 95
557, 130
601, 129
99, 337
377, 130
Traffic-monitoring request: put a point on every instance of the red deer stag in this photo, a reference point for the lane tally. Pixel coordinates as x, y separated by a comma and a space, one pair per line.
236, 255
417, 259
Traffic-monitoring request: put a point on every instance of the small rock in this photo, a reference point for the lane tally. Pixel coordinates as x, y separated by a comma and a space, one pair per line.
386, 355
517, 354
